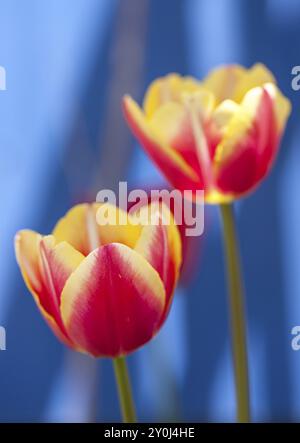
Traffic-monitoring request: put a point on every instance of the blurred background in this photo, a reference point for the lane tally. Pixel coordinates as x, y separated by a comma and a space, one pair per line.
63, 138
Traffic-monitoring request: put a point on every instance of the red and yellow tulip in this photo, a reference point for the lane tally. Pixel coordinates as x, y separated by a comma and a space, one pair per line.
220, 135
104, 290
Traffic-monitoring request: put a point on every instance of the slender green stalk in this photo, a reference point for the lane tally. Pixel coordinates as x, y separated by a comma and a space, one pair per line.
238, 327
124, 390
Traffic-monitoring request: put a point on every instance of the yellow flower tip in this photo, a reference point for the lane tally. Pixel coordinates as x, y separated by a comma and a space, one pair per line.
127, 98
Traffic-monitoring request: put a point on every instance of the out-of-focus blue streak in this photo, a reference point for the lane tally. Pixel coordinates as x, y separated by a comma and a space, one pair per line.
290, 223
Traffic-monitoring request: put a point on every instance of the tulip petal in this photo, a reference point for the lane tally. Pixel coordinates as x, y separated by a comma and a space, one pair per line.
250, 134
153, 246
233, 81
257, 75
222, 116
279, 110
282, 106
160, 245
27, 253
113, 302
167, 89
58, 263
173, 123
81, 227
27, 247
72, 228
171, 163
115, 225
223, 81
161, 90
236, 156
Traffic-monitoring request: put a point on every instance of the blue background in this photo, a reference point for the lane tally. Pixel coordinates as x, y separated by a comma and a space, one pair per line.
62, 138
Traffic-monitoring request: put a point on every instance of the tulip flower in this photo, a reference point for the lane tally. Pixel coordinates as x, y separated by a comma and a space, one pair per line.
220, 135
104, 289
104, 300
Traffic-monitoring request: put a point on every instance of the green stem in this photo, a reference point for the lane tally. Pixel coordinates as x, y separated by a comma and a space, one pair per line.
124, 390
238, 328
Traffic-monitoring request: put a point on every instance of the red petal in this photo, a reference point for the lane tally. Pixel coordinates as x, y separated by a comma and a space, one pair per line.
249, 157
27, 245
113, 302
160, 244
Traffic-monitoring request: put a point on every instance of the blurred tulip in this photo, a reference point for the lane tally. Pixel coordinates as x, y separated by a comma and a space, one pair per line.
220, 135
104, 290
